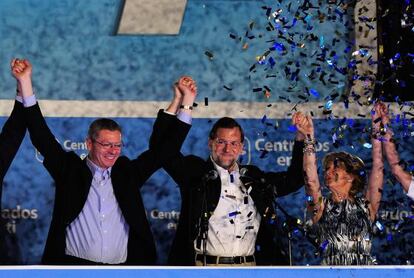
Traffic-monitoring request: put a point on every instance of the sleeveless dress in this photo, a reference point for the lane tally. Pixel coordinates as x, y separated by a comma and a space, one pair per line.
344, 233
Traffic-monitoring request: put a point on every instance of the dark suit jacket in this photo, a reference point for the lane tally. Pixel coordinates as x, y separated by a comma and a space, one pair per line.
73, 180
189, 173
11, 137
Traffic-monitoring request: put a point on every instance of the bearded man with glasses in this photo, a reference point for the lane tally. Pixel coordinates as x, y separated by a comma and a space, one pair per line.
227, 212
98, 216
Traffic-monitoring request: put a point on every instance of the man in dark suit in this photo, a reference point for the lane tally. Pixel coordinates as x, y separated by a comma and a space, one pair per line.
99, 216
227, 212
11, 137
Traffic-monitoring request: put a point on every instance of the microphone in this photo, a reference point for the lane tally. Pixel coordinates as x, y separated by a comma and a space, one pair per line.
244, 174
211, 175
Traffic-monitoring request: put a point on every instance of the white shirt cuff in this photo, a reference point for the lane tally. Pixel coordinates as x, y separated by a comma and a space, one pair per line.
169, 113
184, 117
29, 101
410, 192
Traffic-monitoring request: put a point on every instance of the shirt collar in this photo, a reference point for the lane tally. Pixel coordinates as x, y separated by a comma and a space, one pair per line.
221, 170
95, 169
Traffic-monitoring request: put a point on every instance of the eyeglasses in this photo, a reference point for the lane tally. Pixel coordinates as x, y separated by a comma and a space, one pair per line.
233, 144
109, 145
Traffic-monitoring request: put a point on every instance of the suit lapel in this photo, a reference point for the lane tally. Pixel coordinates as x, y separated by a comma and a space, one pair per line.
213, 188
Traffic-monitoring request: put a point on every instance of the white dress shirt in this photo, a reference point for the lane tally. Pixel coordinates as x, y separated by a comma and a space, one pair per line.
233, 227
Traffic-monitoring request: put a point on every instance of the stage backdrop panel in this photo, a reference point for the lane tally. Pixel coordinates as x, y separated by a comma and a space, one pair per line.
29, 191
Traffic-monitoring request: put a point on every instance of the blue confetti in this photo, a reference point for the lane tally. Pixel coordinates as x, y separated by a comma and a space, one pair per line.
280, 48
367, 145
328, 105
339, 12
292, 128
314, 92
293, 23
397, 118
272, 62
324, 245
334, 137
363, 52
346, 103
350, 122
347, 49
379, 225
330, 62
322, 42
397, 226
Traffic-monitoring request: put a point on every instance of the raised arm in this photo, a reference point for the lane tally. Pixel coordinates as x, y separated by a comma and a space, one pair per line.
289, 181
22, 70
14, 128
391, 153
185, 92
169, 130
40, 134
312, 186
376, 176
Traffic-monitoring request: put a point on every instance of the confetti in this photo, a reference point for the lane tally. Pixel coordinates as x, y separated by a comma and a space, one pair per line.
209, 54
234, 213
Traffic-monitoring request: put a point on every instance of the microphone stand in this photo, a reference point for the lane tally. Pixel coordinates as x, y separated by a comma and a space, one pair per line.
204, 212
204, 219
276, 205
293, 223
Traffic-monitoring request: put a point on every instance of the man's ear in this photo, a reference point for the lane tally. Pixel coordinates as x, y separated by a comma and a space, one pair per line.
88, 144
210, 144
241, 148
